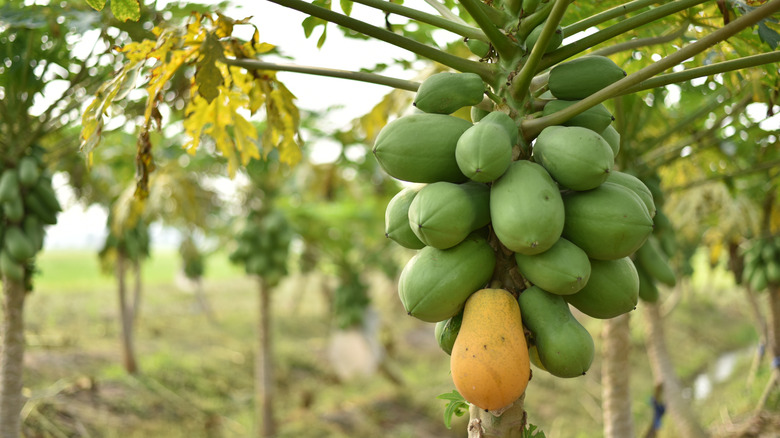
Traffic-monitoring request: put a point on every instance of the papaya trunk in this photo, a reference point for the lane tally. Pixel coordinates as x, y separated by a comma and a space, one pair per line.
509, 424
665, 375
761, 328
774, 343
12, 359
616, 393
203, 302
264, 386
125, 317
135, 309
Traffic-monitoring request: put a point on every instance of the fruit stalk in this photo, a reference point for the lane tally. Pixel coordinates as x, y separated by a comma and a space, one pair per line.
609, 14
505, 48
641, 42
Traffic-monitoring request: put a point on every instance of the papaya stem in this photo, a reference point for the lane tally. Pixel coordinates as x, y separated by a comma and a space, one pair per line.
424, 17
707, 70
626, 25
455, 62
505, 48
531, 128
373, 78
444, 12
530, 22
607, 15
523, 79
641, 42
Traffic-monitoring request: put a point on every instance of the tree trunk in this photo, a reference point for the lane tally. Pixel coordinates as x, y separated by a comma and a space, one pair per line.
12, 360
203, 302
135, 309
264, 381
615, 376
663, 370
125, 317
774, 343
509, 423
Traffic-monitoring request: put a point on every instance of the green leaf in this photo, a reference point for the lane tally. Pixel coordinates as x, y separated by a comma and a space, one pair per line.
768, 35
125, 10
346, 6
98, 5
457, 406
207, 75
532, 432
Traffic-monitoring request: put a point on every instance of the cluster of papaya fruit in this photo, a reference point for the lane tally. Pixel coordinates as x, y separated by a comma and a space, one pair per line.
28, 204
262, 245
570, 221
133, 242
762, 263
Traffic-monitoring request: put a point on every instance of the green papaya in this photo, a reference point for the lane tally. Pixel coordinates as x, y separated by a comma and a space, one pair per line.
661, 222
581, 77
636, 185
46, 194
435, 283
484, 152
576, 157
12, 269
33, 229
608, 222
447, 92
35, 206
9, 185
612, 290
443, 214
28, 171
526, 208
258, 263
612, 137
446, 332
533, 356
595, 118
648, 291
654, 262
563, 269
554, 43
653, 183
773, 272
477, 114
18, 245
503, 119
478, 47
564, 346
397, 219
421, 148
767, 252
14, 210
759, 281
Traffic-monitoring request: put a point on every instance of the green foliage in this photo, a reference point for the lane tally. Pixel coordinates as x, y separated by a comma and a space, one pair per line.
533, 431
456, 405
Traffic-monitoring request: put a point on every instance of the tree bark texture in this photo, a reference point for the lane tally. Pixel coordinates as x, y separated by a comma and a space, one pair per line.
12, 359
615, 378
125, 317
509, 423
664, 373
264, 380
135, 308
774, 345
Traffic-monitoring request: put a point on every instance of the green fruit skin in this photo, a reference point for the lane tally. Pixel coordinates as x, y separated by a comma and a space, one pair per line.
435, 283
477, 114
526, 208
503, 119
11, 269
397, 219
608, 223
443, 214
596, 118
554, 43
564, 346
612, 137
421, 148
18, 245
9, 185
759, 281
563, 269
576, 157
637, 186
612, 290
478, 47
46, 194
773, 272
34, 230
648, 291
581, 77
447, 92
14, 210
35, 206
28, 171
447, 331
653, 261
484, 152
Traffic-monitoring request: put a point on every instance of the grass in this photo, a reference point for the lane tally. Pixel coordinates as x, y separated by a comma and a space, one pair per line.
197, 376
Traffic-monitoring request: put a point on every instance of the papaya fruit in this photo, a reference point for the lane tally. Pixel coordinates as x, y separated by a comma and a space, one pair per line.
421, 148
397, 219
18, 245
581, 77
554, 43
443, 214
595, 118
484, 152
636, 185
533, 354
12, 269
503, 119
759, 281
489, 362
563, 269
773, 272
477, 114
447, 92
28, 171
14, 210
46, 194
526, 208
478, 47
564, 346
435, 283
576, 157
9, 185
35, 206
653, 183
446, 332
608, 222
651, 258
648, 291
612, 137
33, 229
612, 290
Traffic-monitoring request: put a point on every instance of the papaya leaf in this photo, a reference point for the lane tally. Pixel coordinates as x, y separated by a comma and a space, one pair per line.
125, 10
768, 35
456, 405
531, 431
207, 75
346, 6
97, 5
